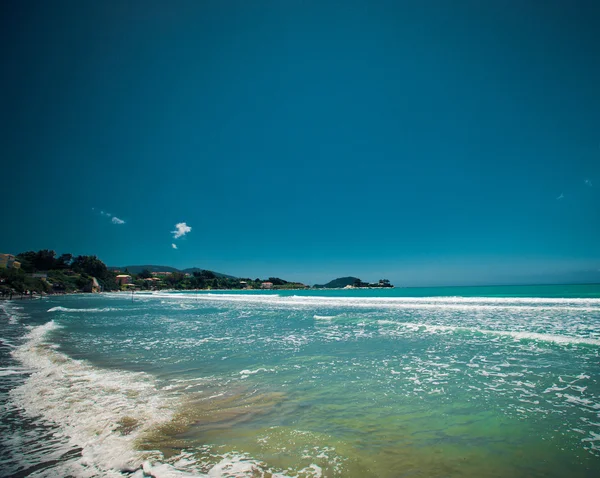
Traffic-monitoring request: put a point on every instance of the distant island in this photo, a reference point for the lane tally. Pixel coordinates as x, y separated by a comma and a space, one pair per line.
352, 282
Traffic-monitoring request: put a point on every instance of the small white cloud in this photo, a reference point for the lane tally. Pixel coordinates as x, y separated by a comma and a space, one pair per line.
102, 213
562, 196
588, 182
181, 230
174, 246
116, 220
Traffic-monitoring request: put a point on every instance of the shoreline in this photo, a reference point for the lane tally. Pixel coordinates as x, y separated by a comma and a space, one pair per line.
242, 361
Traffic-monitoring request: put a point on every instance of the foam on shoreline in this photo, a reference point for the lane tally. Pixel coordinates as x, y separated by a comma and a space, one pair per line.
103, 413
100, 411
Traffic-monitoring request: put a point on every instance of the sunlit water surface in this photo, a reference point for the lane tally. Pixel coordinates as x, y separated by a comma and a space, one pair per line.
349, 384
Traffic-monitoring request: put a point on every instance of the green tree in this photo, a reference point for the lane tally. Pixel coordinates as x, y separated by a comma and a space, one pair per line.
27, 260
142, 284
45, 260
64, 261
174, 280
208, 274
94, 267
13, 279
277, 281
90, 265
145, 274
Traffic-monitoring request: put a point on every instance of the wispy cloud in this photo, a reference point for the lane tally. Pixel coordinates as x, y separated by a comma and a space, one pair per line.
181, 229
113, 219
174, 246
562, 196
588, 183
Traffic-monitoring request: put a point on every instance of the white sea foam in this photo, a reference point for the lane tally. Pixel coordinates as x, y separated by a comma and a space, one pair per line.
88, 403
434, 303
559, 339
324, 317
67, 309
231, 465
6, 371
238, 466
585, 402
593, 437
517, 335
103, 412
12, 311
6, 343
246, 373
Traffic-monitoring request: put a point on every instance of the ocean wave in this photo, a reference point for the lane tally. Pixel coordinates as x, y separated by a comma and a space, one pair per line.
558, 339
517, 335
12, 311
232, 465
67, 309
5, 371
434, 303
100, 411
105, 413
246, 373
6, 343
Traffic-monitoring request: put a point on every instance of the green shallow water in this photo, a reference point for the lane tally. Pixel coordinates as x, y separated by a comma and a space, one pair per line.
334, 383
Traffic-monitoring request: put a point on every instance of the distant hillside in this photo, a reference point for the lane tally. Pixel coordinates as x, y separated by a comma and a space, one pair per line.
138, 269
191, 270
338, 283
153, 268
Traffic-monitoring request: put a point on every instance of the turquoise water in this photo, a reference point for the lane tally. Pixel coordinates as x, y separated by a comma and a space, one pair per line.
448, 382
505, 291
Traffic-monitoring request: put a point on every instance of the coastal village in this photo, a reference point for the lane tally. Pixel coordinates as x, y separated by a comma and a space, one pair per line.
43, 272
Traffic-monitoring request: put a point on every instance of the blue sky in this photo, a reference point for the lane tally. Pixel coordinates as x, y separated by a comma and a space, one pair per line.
427, 142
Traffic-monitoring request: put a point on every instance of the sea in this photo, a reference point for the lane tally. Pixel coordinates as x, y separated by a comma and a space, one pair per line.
437, 382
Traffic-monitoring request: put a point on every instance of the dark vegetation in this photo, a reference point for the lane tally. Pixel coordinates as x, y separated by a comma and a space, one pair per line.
46, 272
204, 279
154, 268
342, 282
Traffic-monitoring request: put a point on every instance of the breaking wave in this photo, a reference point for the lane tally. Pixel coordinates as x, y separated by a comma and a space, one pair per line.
67, 309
